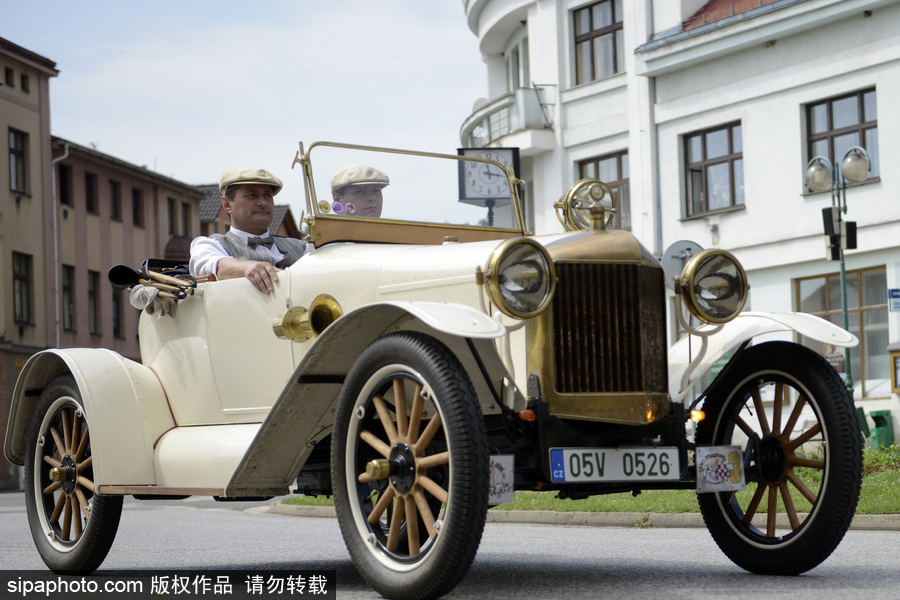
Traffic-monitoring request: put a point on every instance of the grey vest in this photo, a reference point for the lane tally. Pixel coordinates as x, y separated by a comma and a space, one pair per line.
292, 248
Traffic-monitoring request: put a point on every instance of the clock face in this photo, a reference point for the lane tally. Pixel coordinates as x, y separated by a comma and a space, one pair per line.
484, 180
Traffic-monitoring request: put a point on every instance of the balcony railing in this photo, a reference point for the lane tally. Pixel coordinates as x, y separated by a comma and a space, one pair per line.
516, 111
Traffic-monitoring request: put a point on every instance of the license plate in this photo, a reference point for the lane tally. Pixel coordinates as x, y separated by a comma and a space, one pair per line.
614, 464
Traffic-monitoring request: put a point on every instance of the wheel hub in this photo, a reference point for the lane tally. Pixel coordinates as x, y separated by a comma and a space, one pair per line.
403, 468
65, 474
771, 458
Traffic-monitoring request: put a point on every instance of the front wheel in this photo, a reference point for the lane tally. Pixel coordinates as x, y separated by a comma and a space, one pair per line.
791, 412
73, 527
410, 467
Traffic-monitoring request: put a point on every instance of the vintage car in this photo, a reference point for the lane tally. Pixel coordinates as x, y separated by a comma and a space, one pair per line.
423, 364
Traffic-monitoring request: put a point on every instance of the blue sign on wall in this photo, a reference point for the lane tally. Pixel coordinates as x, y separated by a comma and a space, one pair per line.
894, 300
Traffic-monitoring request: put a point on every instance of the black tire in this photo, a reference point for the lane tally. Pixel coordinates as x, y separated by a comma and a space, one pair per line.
824, 449
439, 467
72, 526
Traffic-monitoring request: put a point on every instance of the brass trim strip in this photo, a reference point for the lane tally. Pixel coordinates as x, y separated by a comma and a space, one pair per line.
153, 490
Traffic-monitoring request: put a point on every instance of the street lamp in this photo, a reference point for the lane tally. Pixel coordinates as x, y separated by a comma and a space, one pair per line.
820, 177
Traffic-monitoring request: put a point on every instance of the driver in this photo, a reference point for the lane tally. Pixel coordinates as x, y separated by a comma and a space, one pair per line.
356, 191
247, 249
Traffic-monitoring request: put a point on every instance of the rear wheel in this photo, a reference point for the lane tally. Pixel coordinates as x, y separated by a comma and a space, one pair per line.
73, 527
805, 468
410, 467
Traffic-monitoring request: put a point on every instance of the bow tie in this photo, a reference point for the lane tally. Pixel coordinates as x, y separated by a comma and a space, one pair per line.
254, 241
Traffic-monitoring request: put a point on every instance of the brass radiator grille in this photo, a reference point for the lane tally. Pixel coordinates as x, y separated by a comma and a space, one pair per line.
609, 328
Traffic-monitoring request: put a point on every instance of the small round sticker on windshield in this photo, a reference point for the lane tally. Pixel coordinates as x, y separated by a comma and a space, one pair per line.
350, 208
323, 206
338, 208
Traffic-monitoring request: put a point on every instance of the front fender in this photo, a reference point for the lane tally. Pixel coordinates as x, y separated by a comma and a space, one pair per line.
124, 403
303, 413
734, 333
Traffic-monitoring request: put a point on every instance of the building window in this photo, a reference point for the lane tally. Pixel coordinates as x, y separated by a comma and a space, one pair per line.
90, 193
115, 201
22, 288
838, 124
65, 185
612, 170
714, 169
10, 77
117, 313
185, 219
173, 217
137, 206
68, 297
18, 143
599, 41
867, 318
93, 286
26, 84
516, 58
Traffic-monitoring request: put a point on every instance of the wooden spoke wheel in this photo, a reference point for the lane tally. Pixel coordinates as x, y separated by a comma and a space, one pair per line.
791, 413
410, 467
73, 527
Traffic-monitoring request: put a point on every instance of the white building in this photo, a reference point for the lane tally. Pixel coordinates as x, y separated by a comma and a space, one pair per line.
703, 116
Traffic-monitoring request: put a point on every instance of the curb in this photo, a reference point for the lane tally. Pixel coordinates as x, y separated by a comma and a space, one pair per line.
588, 519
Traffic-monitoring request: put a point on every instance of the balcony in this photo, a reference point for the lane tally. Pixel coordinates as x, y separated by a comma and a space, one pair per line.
521, 114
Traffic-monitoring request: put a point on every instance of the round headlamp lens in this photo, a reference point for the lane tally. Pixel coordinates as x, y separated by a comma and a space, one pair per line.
522, 278
716, 286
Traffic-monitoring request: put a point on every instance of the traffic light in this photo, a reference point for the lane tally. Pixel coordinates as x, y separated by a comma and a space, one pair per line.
832, 247
838, 234
849, 235
831, 218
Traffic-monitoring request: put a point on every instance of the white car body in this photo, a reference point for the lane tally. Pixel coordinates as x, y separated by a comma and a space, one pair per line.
240, 394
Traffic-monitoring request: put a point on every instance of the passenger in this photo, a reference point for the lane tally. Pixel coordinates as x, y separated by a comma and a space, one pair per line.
356, 191
247, 249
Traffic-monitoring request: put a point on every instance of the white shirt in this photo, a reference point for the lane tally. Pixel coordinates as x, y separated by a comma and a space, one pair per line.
207, 252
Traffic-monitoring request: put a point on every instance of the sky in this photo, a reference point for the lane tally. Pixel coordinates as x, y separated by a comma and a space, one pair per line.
190, 88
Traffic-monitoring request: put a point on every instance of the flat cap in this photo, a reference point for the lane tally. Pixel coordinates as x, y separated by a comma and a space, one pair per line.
249, 175
358, 175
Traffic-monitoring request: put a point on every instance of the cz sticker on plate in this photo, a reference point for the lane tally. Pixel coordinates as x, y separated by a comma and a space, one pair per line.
719, 469
614, 464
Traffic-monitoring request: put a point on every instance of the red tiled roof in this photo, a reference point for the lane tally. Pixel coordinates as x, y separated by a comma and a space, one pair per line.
720, 9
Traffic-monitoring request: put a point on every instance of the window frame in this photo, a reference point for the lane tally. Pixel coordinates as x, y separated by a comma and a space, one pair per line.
615, 30
64, 173
516, 61
68, 297
857, 311
91, 193
172, 211
829, 134
185, 219
115, 200
18, 163
93, 301
137, 206
23, 309
623, 179
731, 157
117, 314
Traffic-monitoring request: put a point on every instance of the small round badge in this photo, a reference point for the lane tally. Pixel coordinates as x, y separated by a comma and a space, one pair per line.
338, 208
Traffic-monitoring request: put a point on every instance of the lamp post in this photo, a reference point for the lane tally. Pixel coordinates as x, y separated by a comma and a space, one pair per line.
821, 176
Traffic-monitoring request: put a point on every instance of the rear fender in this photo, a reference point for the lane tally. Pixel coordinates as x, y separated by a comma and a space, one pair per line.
746, 326
304, 412
124, 403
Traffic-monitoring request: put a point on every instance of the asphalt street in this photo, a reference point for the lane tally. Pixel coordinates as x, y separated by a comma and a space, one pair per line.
558, 555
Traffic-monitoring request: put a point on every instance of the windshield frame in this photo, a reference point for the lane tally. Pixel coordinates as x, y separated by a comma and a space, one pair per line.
322, 227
